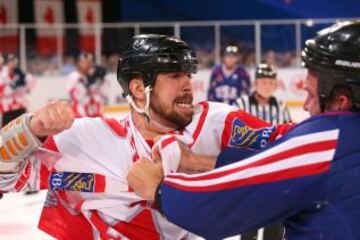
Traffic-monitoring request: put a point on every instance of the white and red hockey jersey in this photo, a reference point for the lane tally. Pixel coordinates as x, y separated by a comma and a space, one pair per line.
86, 96
14, 89
89, 197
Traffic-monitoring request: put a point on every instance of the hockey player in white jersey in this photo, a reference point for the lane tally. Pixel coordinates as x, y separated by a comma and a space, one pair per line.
86, 87
84, 163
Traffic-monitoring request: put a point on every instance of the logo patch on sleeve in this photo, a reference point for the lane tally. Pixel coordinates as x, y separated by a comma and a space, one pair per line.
68, 181
244, 136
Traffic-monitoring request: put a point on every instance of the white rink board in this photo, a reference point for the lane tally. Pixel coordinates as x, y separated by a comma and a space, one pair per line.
54, 87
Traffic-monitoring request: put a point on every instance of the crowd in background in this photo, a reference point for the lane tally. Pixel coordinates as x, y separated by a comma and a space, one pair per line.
50, 66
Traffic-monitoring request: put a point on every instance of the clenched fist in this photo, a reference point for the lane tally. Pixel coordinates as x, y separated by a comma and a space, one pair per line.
52, 118
144, 176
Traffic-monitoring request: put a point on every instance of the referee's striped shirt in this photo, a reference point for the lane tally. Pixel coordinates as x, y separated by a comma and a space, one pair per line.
275, 112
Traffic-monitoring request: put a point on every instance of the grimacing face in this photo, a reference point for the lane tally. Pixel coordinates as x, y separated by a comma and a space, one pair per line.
171, 101
312, 104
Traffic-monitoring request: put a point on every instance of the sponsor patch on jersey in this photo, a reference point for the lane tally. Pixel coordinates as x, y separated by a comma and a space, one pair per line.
244, 136
68, 181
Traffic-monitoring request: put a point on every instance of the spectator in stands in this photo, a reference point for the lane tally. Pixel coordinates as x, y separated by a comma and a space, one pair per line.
69, 65
270, 57
288, 59
229, 80
85, 87
250, 60
261, 102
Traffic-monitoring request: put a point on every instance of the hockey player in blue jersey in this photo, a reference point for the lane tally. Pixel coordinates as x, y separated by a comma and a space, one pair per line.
309, 179
229, 80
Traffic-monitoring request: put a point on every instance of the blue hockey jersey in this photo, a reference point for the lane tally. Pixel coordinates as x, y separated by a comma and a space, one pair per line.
227, 89
309, 179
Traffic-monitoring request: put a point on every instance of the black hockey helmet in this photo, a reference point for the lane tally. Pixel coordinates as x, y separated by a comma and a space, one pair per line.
149, 54
334, 56
265, 70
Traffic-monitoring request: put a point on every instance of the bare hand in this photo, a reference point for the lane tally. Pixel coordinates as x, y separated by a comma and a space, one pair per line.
144, 177
51, 119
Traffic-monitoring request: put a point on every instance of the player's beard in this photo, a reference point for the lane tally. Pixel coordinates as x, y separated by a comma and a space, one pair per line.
167, 111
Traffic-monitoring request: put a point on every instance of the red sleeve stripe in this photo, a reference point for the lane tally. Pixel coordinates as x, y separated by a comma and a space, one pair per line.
303, 151
285, 174
306, 149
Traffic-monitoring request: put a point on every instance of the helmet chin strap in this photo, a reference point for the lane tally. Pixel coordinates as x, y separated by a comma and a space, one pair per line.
146, 109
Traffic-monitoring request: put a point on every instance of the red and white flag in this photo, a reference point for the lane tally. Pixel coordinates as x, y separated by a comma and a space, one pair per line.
8, 36
89, 13
49, 13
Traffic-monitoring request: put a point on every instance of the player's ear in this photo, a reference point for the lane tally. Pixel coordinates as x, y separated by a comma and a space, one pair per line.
341, 103
137, 88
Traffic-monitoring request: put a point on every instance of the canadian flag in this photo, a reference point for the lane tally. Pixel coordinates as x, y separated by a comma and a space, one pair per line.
89, 13
9, 41
49, 13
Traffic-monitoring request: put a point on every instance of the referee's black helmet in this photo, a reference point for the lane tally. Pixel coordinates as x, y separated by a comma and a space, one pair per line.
265, 70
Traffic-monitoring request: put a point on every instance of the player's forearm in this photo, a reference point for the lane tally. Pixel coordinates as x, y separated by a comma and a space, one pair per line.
17, 144
196, 163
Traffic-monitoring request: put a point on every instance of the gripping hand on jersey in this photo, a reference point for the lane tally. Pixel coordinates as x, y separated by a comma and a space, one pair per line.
51, 119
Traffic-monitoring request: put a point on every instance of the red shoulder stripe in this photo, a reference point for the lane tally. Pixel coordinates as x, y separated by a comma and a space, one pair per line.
115, 126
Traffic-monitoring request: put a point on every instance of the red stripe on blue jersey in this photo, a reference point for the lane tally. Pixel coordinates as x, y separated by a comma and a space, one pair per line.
286, 174
307, 148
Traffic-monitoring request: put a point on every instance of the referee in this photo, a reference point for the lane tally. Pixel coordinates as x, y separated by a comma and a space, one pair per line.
263, 104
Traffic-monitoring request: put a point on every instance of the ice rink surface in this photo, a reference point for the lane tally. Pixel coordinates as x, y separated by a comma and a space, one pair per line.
19, 213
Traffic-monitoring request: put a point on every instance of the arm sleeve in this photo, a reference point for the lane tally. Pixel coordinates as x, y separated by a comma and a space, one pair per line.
266, 188
245, 130
28, 179
227, 156
33, 176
